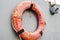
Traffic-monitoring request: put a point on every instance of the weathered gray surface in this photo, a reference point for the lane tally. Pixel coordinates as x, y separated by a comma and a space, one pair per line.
52, 29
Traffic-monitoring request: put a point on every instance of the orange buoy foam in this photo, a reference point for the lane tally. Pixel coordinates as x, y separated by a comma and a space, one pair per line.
17, 21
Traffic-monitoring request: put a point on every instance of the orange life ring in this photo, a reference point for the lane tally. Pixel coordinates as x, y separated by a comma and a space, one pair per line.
17, 21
